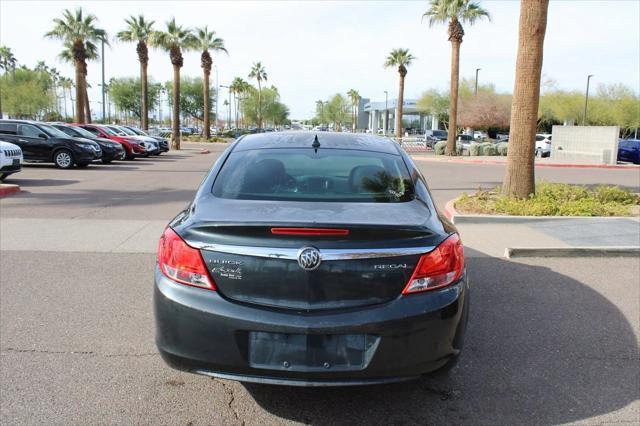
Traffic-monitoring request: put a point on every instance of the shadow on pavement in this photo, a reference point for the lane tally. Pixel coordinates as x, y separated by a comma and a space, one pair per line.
541, 348
25, 183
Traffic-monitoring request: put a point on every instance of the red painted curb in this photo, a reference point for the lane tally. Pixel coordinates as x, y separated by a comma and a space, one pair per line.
8, 190
552, 165
450, 210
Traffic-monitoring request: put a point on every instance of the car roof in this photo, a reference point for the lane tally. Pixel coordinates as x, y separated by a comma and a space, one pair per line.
327, 140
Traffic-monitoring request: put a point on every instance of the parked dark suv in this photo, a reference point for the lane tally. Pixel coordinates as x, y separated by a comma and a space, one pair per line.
110, 150
43, 143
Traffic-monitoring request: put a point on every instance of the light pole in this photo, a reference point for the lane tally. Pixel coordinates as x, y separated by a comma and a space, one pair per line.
386, 113
586, 100
475, 91
217, 90
104, 113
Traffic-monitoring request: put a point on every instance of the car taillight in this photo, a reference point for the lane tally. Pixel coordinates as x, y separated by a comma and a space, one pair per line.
438, 268
181, 262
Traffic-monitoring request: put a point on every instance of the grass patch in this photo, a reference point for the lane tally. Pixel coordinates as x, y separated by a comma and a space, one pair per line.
553, 199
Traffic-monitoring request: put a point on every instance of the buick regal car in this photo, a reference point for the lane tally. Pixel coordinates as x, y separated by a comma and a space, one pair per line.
311, 260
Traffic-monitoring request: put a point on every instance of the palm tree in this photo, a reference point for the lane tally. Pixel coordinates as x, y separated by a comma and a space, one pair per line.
259, 73
519, 178
454, 12
139, 31
402, 59
237, 87
205, 41
174, 40
79, 33
91, 54
66, 84
354, 96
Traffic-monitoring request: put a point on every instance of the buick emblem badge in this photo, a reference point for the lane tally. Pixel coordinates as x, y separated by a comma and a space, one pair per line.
309, 258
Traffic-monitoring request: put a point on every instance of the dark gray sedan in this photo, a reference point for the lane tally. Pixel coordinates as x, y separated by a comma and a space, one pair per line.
314, 261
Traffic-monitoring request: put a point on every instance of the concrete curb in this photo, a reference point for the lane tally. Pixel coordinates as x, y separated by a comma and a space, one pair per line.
552, 165
601, 251
457, 218
8, 189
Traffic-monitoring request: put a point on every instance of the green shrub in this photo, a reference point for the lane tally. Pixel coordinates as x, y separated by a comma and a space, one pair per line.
553, 199
489, 149
474, 149
440, 147
502, 148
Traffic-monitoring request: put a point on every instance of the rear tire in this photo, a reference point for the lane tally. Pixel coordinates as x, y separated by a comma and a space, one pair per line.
105, 161
63, 159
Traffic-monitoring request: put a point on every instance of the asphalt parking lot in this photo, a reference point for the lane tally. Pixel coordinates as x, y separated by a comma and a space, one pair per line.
549, 340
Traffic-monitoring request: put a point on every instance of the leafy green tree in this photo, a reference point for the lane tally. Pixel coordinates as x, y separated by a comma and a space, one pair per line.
174, 40
336, 111
26, 93
454, 12
79, 33
207, 41
125, 94
191, 101
435, 103
259, 73
139, 31
7, 62
264, 104
400, 58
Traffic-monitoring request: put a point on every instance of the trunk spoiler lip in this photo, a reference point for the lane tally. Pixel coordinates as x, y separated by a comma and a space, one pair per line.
325, 254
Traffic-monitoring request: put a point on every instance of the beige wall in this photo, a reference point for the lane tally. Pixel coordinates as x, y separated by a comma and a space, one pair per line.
585, 144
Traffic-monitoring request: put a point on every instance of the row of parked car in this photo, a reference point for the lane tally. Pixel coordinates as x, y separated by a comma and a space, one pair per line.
69, 145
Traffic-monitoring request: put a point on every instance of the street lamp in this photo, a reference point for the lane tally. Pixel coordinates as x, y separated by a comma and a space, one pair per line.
386, 113
217, 90
104, 113
475, 92
586, 100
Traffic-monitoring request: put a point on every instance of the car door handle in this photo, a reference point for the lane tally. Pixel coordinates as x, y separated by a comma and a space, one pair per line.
22, 140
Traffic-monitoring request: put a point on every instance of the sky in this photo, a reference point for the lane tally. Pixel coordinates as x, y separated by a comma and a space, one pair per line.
314, 49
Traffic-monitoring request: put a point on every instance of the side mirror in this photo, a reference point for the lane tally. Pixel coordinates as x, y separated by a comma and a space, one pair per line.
43, 136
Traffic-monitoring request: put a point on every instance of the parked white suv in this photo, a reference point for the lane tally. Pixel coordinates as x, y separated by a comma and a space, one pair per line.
543, 145
10, 159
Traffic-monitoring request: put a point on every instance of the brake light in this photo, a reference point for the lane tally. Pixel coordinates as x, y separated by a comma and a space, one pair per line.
438, 268
181, 262
309, 231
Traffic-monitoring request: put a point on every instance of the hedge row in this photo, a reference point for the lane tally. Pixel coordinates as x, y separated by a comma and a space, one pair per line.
475, 149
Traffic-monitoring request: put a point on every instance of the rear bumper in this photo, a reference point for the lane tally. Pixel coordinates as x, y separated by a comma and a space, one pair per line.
202, 332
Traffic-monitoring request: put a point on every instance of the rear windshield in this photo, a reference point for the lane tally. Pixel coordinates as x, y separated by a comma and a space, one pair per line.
439, 133
305, 175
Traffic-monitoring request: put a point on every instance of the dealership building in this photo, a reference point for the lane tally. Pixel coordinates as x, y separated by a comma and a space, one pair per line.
375, 115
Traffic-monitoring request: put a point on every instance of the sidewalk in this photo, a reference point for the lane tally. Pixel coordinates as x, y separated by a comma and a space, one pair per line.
492, 239
501, 160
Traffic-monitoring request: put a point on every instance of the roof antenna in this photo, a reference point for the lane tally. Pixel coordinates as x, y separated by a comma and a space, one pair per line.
316, 144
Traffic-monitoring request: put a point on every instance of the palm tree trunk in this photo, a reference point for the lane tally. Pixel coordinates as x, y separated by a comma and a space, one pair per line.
205, 94
399, 108
519, 179
175, 121
145, 97
79, 93
64, 97
453, 100
87, 106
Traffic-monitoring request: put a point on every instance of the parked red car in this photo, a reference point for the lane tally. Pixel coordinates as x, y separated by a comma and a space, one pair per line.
131, 147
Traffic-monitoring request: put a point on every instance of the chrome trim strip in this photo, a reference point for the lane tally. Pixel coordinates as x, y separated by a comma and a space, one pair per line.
325, 254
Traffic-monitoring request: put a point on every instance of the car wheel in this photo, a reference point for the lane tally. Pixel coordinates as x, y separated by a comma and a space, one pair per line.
106, 161
63, 159
128, 156
538, 153
2, 176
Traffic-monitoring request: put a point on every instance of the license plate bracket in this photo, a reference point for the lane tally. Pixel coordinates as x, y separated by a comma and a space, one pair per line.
311, 352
